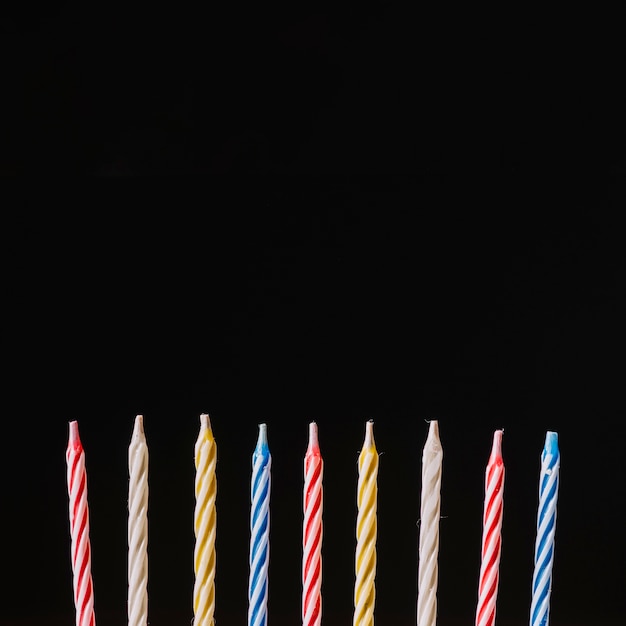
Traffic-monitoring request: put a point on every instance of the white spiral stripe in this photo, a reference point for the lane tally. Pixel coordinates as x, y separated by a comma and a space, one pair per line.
429, 531
366, 601
494, 485
365, 557
80, 547
257, 596
312, 582
138, 533
204, 549
542, 575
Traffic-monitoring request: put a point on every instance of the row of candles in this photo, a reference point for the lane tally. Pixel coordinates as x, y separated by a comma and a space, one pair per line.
205, 525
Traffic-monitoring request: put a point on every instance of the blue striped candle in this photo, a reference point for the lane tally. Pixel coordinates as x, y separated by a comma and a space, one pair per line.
546, 526
259, 531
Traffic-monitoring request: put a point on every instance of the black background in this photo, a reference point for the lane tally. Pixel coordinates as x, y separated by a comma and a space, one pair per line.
394, 215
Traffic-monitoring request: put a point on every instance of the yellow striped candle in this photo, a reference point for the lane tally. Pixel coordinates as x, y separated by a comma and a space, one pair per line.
205, 525
365, 561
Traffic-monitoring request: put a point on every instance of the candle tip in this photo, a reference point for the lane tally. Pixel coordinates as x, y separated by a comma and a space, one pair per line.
74, 436
432, 440
552, 443
262, 440
433, 429
496, 450
206, 432
138, 430
369, 433
313, 438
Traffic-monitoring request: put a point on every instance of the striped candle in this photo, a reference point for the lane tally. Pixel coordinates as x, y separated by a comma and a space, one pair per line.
432, 459
259, 531
492, 540
365, 560
205, 520
138, 527
79, 529
312, 532
546, 527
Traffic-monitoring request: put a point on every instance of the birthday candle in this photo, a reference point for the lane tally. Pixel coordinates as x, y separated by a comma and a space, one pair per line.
205, 525
312, 532
492, 526
259, 531
365, 560
432, 458
546, 527
79, 529
138, 526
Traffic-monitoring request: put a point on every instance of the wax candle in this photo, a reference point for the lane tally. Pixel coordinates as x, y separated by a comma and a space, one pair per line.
205, 525
79, 529
432, 459
312, 532
365, 559
492, 540
138, 527
546, 527
259, 531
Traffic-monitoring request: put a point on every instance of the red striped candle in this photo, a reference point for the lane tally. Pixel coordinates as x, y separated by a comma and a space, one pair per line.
312, 533
492, 540
79, 529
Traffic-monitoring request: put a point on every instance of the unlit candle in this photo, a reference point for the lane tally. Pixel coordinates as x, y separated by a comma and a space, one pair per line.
138, 526
432, 458
205, 521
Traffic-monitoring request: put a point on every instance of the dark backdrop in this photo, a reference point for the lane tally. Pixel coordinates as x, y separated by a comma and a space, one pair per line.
397, 215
